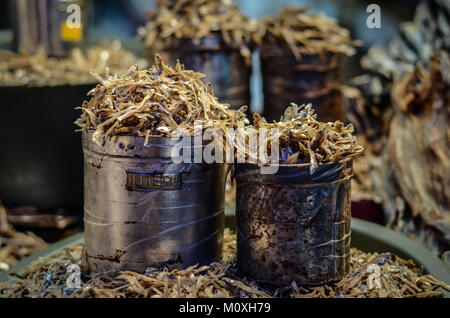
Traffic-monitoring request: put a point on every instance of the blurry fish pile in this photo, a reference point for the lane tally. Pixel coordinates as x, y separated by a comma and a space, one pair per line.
14, 245
406, 118
41, 70
177, 19
298, 31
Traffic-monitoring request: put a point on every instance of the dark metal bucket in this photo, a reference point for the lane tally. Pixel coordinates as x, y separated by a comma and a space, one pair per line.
224, 67
315, 78
142, 209
293, 226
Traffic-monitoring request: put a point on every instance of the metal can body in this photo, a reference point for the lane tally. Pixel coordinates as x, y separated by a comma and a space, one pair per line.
315, 78
224, 67
141, 209
293, 226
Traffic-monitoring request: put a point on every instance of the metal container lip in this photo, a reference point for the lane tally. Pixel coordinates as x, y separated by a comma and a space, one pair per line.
303, 165
298, 174
91, 131
134, 146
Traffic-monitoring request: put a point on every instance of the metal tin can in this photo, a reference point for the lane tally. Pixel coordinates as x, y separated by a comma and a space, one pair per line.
224, 67
315, 78
142, 209
294, 226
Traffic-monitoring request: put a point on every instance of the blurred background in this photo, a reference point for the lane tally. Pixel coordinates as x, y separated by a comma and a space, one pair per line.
119, 19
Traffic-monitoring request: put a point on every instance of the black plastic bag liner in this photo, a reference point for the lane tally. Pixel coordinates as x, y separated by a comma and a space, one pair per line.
294, 226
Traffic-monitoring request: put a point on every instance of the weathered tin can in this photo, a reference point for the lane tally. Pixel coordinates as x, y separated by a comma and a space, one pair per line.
293, 226
224, 67
315, 78
142, 209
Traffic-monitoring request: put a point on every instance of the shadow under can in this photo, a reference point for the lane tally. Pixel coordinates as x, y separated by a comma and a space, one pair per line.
225, 67
314, 78
294, 226
142, 209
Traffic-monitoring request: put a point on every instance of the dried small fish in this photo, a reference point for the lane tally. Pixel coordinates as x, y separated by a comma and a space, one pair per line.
159, 101
301, 32
40, 70
303, 139
47, 278
14, 245
175, 19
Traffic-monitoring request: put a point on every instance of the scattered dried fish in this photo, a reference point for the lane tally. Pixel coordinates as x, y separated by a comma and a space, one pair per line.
159, 101
47, 278
14, 245
40, 70
298, 31
176, 19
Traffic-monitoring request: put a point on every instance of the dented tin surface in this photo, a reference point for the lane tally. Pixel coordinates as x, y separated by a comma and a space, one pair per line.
142, 209
315, 78
293, 226
224, 67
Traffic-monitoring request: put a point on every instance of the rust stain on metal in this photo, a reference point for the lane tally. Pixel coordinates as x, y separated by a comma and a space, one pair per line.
115, 258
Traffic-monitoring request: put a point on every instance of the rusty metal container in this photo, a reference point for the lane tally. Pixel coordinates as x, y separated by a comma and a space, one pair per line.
223, 66
142, 209
293, 226
315, 78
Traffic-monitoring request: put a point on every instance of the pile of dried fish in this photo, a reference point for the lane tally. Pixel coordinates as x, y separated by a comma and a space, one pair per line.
416, 41
40, 70
14, 245
407, 101
300, 32
48, 278
196, 19
158, 101
303, 139
419, 146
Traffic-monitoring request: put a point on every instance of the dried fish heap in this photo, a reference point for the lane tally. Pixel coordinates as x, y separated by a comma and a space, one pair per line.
47, 278
406, 91
197, 19
40, 70
304, 139
155, 209
300, 60
14, 245
288, 220
212, 37
157, 101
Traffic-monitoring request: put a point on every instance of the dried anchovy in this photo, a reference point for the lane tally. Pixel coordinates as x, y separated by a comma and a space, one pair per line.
47, 278
40, 70
159, 101
175, 19
14, 245
303, 139
301, 32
